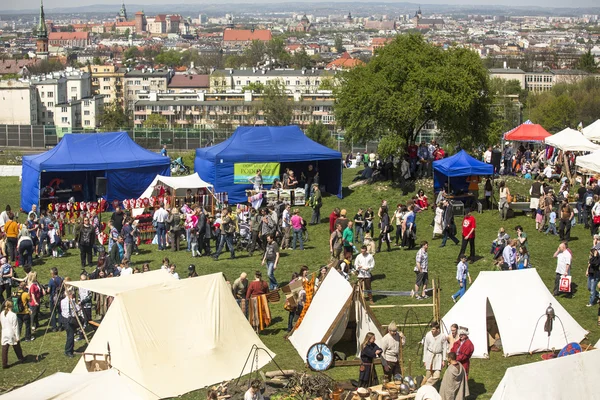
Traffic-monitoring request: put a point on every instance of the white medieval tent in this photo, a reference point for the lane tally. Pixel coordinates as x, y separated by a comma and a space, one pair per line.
515, 301
167, 348
335, 305
570, 377
571, 140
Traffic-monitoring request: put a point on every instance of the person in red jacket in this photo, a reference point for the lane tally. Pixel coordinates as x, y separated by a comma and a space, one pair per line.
468, 235
463, 348
332, 218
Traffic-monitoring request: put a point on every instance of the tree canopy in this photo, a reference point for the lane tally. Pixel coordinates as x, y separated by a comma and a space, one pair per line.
320, 134
113, 118
409, 83
155, 121
587, 62
276, 106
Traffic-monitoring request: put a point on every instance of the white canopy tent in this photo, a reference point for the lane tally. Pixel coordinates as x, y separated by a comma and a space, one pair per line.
109, 384
333, 306
592, 131
571, 140
516, 300
167, 347
120, 284
569, 377
590, 161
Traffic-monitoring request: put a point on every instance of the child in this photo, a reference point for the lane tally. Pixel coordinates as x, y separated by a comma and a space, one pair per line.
194, 242
552, 223
462, 274
165, 265
539, 218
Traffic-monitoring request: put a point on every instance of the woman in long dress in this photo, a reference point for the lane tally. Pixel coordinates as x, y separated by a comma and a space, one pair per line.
438, 221
369, 351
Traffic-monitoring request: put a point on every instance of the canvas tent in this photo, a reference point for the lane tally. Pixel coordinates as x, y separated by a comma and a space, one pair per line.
571, 377
527, 132
589, 161
455, 170
286, 145
571, 140
335, 304
78, 159
501, 296
169, 348
592, 131
109, 384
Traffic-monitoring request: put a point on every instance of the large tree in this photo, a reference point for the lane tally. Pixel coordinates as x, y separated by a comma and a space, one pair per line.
320, 134
155, 121
276, 106
113, 118
410, 83
587, 62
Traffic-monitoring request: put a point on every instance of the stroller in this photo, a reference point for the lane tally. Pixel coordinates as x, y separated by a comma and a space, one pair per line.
243, 237
178, 167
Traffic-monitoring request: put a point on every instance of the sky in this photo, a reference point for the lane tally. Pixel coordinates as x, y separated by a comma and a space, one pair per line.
34, 4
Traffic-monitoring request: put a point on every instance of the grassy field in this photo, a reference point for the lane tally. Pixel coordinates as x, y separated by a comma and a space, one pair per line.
393, 271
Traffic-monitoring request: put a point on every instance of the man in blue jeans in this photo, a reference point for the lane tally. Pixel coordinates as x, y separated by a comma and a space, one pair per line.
69, 308
159, 219
271, 258
55, 287
462, 274
593, 275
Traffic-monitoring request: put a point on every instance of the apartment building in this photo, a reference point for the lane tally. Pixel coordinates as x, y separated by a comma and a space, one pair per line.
211, 110
107, 81
144, 81
540, 81
294, 80
18, 102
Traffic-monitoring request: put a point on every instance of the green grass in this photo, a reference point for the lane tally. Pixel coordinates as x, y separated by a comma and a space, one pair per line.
393, 271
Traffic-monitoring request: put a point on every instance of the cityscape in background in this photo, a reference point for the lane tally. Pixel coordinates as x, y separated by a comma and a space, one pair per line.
207, 70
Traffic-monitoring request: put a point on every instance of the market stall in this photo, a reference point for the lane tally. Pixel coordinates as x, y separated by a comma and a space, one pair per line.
571, 140
591, 162
527, 132
72, 169
592, 131
230, 164
454, 171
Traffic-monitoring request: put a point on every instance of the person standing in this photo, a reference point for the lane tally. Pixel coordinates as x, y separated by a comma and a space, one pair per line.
35, 297
335, 242
128, 239
159, 219
286, 224
11, 230
364, 264
503, 203
255, 225
398, 219
86, 238
385, 229
68, 312
117, 218
257, 181
297, 224
6, 275
271, 258
227, 230
333, 218
359, 226
593, 275
454, 384
348, 241
316, 202
468, 235
448, 224
421, 270
463, 348
163, 151
507, 156
595, 214
368, 352
56, 290
536, 191
410, 229
563, 264
566, 215
23, 314
462, 273
174, 222
10, 333
435, 347
509, 254
240, 287
390, 350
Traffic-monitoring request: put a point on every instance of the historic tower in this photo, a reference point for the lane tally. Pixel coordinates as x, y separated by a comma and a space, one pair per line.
41, 44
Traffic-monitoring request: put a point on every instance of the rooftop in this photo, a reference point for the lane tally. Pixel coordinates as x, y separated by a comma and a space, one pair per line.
244, 35
189, 81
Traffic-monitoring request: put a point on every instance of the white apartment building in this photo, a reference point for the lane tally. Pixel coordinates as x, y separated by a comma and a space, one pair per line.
143, 81
18, 102
294, 80
540, 81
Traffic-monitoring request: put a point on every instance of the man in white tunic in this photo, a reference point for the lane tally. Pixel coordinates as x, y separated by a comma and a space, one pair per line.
434, 354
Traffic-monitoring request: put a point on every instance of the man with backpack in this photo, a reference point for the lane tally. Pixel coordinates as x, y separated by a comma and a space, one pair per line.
56, 294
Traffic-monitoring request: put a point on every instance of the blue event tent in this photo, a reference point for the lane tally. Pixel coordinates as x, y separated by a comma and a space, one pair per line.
78, 159
286, 145
454, 170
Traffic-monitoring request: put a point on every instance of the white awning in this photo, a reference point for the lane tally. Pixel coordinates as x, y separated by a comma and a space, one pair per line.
571, 140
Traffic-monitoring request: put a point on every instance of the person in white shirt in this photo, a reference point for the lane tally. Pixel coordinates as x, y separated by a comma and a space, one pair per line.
435, 347
422, 271
4, 216
285, 225
563, 264
363, 264
487, 156
254, 392
172, 271
159, 219
390, 346
126, 268
10, 333
509, 260
68, 310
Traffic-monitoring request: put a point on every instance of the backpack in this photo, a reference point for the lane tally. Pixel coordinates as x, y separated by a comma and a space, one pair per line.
589, 199
17, 301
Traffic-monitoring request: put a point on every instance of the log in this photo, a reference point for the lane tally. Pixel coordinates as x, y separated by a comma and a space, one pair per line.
285, 372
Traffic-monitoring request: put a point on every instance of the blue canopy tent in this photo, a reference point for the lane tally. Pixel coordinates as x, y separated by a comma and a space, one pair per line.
78, 159
455, 170
286, 145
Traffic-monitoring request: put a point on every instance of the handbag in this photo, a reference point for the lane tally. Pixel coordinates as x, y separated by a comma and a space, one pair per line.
565, 284
596, 220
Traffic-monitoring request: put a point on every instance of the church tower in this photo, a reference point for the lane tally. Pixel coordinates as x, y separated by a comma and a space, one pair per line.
41, 44
122, 17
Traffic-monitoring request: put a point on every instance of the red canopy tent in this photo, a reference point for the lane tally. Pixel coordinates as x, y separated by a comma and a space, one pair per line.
527, 132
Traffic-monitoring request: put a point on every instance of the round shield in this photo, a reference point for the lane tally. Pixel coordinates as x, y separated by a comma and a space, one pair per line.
571, 348
319, 357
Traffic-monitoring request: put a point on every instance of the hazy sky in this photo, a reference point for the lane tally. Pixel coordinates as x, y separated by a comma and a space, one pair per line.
32, 4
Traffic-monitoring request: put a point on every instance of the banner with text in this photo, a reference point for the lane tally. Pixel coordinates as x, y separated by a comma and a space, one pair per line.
243, 172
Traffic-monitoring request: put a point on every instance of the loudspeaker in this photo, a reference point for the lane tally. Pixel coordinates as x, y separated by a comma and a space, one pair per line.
100, 186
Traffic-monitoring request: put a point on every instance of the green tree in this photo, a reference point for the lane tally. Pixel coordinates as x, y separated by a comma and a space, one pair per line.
339, 44
170, 58
96, 61
555, 112
155, 121
113, 118
255, 87
320, 134
132, 53
328, 83
411, 83
275, 51
276, 106
255, 53
46, 66
234, 61
587, 62
127, 32
301, 60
